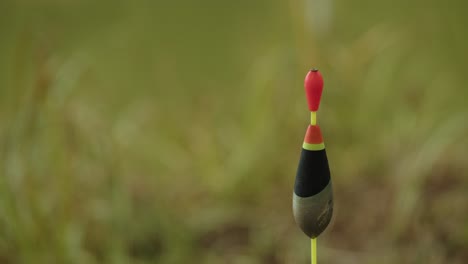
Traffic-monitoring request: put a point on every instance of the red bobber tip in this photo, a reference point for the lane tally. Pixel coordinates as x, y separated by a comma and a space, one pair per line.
313, 85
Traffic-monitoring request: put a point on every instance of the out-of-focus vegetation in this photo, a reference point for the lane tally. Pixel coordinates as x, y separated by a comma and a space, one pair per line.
169, 131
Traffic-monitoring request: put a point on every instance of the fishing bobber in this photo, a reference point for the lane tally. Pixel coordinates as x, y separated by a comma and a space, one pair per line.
313, 197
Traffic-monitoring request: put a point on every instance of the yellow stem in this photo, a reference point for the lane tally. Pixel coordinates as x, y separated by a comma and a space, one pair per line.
313, 118
313, 251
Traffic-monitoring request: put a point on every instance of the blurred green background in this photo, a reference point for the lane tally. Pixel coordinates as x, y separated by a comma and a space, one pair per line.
170, 131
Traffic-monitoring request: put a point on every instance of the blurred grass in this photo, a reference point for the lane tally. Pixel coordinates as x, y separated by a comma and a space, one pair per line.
168, 132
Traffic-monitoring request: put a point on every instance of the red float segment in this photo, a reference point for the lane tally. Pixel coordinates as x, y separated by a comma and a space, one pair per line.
313, 135
313, 85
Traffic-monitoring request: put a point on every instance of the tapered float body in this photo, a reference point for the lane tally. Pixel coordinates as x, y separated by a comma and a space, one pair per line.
313, 196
